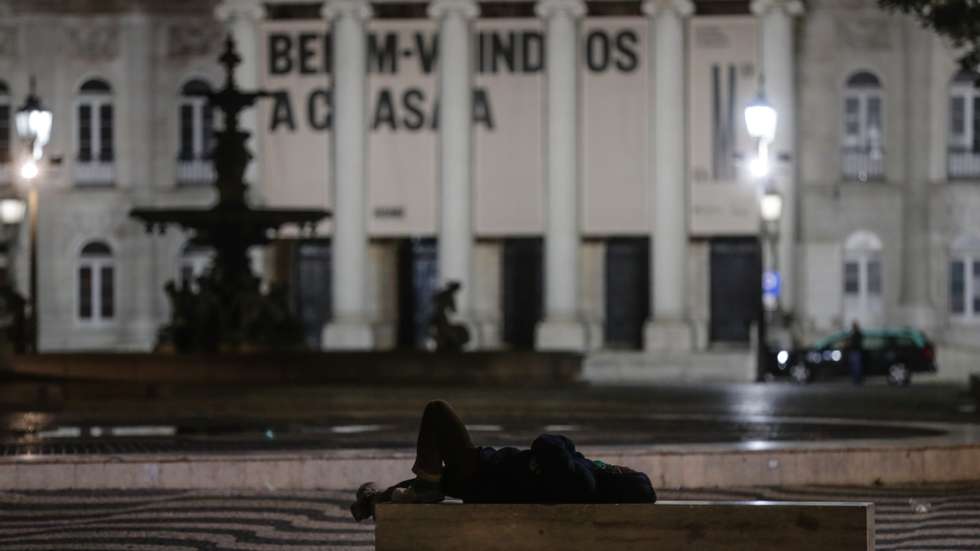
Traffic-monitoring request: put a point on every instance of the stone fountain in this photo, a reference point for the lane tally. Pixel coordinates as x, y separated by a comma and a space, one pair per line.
227, 309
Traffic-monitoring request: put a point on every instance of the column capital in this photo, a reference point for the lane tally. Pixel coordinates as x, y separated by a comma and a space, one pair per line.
792, 8
359, 9
549, 8
231, 10
468, 9
683, 8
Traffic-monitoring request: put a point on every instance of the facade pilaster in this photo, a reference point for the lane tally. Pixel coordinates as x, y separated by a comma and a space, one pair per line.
455, 244
778, 58
669, 327
562, 327
350, 327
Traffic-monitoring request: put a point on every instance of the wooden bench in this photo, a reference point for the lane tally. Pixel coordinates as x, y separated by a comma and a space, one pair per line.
664, 526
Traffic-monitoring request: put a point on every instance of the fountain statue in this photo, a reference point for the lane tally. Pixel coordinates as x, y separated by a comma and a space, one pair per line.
227, 310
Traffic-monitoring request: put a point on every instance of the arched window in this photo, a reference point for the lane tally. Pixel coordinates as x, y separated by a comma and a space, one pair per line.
964, 279
964, 126
6, 138
96, 151
96, 283
862, 148
194, 134
863, 279
194, 260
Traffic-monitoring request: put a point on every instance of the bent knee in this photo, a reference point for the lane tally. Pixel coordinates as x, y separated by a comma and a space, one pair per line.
437, 405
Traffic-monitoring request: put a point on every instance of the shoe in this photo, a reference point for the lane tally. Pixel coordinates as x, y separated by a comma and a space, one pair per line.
363, 507
419, 491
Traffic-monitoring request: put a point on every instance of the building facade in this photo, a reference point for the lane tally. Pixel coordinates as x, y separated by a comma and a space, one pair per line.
581, 168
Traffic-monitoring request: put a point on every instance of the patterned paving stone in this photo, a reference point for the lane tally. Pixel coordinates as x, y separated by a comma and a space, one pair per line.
920, 518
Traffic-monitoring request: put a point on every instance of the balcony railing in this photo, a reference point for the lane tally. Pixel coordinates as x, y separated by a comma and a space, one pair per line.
860, 164
95, 173
196, 171
963, 163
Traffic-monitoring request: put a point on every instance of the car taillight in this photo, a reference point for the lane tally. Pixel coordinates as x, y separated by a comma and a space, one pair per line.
929, 353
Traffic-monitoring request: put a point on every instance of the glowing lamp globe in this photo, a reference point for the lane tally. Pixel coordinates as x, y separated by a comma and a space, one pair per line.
771, 206
760, 120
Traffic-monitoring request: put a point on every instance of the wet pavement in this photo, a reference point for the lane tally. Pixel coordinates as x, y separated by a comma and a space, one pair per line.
217, 420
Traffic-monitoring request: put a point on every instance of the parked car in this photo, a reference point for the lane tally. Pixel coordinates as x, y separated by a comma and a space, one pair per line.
894, 353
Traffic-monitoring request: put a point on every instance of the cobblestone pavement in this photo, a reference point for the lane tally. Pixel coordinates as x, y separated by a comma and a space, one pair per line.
920, 518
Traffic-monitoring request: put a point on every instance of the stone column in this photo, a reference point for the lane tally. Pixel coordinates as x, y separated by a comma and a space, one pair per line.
778, 68
669, 327
350, 327
562, 327
455, 151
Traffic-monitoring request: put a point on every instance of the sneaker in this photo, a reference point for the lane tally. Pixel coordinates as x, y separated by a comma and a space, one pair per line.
419, 491
363, 507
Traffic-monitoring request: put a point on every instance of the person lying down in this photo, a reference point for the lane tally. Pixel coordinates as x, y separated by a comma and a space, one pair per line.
447, 463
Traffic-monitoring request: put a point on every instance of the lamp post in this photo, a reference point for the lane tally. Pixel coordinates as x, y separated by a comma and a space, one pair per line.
760, 121
34, 127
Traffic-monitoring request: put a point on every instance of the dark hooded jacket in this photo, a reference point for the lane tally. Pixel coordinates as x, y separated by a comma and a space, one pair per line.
552, 472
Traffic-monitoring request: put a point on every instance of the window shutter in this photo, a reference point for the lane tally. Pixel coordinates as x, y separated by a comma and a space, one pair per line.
4, 133
85, 133
957, 287
85, 292
105, 133
186, 149
107, 293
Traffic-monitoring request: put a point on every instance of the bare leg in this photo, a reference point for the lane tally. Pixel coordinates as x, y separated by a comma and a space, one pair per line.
443, 441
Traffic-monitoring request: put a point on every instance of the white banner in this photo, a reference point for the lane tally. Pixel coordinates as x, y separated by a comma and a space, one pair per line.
508, 118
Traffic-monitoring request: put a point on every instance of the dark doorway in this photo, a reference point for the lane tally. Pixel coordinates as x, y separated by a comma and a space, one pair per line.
418, 276
311, 281
523, 286
627, 291
736, 289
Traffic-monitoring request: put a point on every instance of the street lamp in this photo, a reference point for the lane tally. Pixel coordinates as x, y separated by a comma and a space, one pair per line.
34, 127
760, 121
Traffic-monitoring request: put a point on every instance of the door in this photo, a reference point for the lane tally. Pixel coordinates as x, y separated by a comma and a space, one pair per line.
862, 288
627, 268
312, 271
418, 273
736, 289
522, 291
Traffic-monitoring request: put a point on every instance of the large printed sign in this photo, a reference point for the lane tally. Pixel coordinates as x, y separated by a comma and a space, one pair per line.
508, 114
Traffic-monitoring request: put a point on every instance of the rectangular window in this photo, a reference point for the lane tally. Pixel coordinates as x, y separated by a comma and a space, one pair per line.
957, 287
851, 278
85, 133
874, 277
4, 134
874, 118
105, 133
852, 121
208, 131
85, 292
957, 125
186, 152
107, 303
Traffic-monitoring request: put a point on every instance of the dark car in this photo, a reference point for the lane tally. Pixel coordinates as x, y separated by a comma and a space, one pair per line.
894, 353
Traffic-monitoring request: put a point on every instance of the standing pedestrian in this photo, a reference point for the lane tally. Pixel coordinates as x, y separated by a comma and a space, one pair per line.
855, 353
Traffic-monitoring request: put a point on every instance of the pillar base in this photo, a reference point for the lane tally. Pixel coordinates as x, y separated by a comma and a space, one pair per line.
348, 335
668, 336
567, 335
